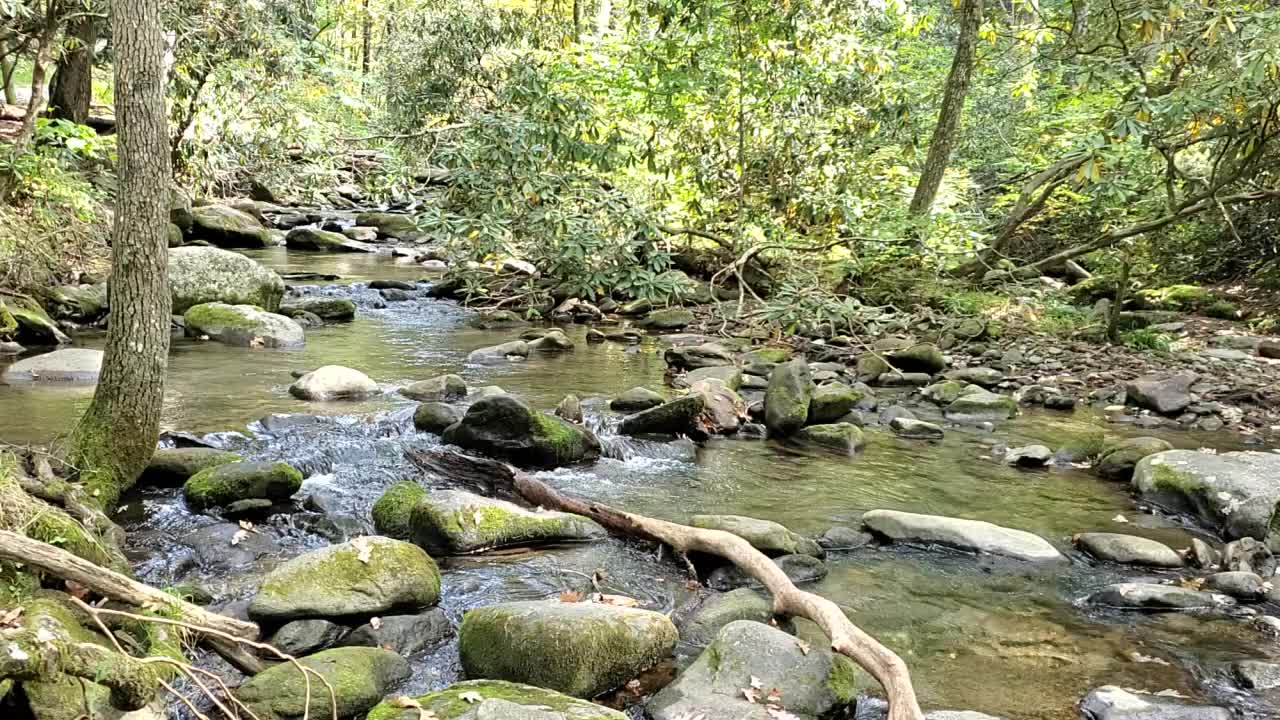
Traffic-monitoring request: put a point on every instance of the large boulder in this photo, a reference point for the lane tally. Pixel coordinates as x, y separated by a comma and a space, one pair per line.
27, 322
833, 401
200, 275
676, 417
1128, 549
844, 437
306, 238
580, 649
1155, 597
977, 404
329, 309
668, 319
226, 227
765, 535
243, 326
366, 576
392, 225
78, 303
435, 417
359, 676
692, 357
69, 366
723, 409
922, 357
1118, 460
748, 657
173, 466
442, 388
223, 484
395, 506
786, 402
334, 382
495, 700
455, 522
968, 535
1163, 394
1114, 703
504, 427
1236, 492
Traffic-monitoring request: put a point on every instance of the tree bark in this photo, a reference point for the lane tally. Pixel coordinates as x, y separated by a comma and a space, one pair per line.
7, 65
957, 87
366, 32
577, 20
497, 478
114, 440
39, 70
73, 82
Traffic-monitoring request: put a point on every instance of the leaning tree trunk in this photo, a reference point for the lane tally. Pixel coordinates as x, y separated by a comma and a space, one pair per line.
957, 87
116, 436
73, 82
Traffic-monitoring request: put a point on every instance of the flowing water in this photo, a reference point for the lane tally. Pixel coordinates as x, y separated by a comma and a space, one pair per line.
1001, 637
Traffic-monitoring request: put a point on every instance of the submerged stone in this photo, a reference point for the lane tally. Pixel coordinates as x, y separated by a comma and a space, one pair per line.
1118, 460
69, 366
1128, 549
580, 649
1114, 703
1154, 597
764, 535
442, 388
970, 535
635, 399
328, 309
845, 437
171, 466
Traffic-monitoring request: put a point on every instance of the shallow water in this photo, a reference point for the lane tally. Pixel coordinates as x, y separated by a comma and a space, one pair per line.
978, 633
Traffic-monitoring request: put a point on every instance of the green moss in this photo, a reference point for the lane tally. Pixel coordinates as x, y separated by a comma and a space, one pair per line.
1223, 310
359, 676
566, 442
8, 324
392, 511
224, 484
448, 704
774, 355
218, 315
41, 521
846, 681
455, 525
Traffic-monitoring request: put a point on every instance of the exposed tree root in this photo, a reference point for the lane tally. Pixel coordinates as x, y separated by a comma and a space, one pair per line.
497, 478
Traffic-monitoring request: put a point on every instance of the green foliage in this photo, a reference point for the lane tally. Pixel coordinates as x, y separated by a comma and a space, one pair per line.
1147, 339
1063, 320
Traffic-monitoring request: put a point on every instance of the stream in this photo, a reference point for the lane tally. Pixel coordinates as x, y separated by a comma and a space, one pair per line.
978, 633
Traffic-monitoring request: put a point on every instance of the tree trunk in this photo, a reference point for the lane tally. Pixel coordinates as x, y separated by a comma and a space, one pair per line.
604, 13
366, 30
577, 20
7, 65
73, 82
39, 70
115, 438
944, 133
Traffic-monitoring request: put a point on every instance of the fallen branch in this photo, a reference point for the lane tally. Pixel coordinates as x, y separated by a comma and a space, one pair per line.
846, 638
406, 136
109, 583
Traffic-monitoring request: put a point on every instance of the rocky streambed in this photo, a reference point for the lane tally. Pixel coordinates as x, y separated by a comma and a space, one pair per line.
1024, 554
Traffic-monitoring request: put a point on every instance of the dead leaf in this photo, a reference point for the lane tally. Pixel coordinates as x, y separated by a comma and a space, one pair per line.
616, 600
804, 647
375, 623
10, 617
404, 701
246, 525
471, 697
752, 695
1120, 519
570, 596
239, 537
478, 517
363, 549
633, 686
692, 585
777, 713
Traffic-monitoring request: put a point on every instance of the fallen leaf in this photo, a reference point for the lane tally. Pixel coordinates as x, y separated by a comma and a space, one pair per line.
804, 647
774, 697
777, 713
617, 600
246, 525
692, 585
404, 701
633, 686
471, 697
363, 549
570, 596
375, 623
45, 635
1120, 519
478, 517
10, 617
239, 537
752, 695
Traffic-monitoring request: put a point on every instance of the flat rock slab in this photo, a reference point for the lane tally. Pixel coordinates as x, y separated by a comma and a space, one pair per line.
1154, 597
457, 522
496, 700
1113, 703
1128, 549
971, 535
70, 366
1237, 492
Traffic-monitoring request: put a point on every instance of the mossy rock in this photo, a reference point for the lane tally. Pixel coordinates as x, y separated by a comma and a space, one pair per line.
78, 303
496, 320
676, 417
243, 326
833, 401
392, 510
773, 355
1177, 297
172, 466
304, 238
871, 366
366, 576
814, 682
636, 399
227, 227
33, 324
499, 700
943, 393
360, 678
844, 437
764, 535
580, 649
976, 404
668, 319
457, 523
727, 375
200, 275
787, 400
1082, 447
62, 697
394, 225
225, 483
504, 427
1117, 461
435, 417
1235, 493
1223, 310
329, 309
700, 626
921, 357
442, 388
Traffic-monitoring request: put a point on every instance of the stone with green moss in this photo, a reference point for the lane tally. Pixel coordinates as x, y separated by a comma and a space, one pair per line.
442, 388
1177, 297
976, 404
702, 621
62, 697
498, 700
360, 678
786, 401
243, 325
1236, 493
1117, 461
580, 649
365, 576
455, 522
227, 227
172, 466
771, 355
504, 427
435, 417
871, 366
727, 375
943, 393
676, 417
833, 401
921, 357
1082, 446
77, 303
765, 535
393, 225
34, 326
329, 309
306, 238
1223, 310
204, 274
496, 320
813, 681
392, 510
844, 437
668, 319
226, 483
